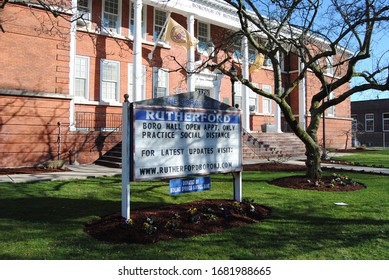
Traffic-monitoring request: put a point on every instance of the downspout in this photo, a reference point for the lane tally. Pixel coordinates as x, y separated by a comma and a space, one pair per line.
72, 59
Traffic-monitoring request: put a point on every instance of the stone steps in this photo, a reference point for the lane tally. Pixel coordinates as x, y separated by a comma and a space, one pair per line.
254, 146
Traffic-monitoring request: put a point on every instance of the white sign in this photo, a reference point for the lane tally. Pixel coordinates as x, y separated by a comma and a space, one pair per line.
172, 142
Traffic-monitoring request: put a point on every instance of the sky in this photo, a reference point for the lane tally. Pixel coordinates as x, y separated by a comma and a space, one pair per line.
380, 46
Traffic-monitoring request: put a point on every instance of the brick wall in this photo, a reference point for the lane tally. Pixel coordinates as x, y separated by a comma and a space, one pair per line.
34, 51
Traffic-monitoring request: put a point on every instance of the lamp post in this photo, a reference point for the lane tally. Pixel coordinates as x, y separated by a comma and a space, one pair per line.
233, 73
324, 155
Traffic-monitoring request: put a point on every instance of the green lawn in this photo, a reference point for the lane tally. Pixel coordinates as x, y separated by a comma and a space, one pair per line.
45, 220
368, 158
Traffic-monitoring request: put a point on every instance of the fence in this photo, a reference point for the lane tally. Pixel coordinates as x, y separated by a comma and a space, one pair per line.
91, 121
371, 139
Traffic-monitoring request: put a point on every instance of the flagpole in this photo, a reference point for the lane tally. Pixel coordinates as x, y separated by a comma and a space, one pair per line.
150, 55
137, 51
190, 78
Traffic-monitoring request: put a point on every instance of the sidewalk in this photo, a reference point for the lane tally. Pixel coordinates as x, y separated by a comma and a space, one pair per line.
365, 169
77, 172
94, 171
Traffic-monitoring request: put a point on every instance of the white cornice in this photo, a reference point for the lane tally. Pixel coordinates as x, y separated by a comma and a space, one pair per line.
216, 11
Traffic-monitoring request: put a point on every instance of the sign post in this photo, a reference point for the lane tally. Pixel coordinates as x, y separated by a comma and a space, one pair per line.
126, 158
181, 136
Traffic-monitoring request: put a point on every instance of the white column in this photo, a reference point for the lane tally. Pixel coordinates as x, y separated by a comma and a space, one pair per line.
191, 55
245, 91
137, 52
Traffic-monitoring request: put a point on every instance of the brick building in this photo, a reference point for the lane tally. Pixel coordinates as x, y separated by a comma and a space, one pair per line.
371, 122
62, 82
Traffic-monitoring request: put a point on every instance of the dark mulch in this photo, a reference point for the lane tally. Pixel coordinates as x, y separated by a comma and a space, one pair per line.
176, 221
331, 183
273, 166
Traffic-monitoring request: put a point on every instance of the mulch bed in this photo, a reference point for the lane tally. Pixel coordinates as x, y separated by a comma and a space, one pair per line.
273, 166
176, 221
331, 183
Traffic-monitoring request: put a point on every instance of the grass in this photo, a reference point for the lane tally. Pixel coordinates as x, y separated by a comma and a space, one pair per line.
368, 158
45, 220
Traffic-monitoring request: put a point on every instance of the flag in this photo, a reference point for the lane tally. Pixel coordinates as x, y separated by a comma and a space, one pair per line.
178, 35
258, 62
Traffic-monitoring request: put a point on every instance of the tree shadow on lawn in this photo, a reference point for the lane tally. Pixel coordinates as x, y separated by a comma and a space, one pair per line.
285, 231
59, 210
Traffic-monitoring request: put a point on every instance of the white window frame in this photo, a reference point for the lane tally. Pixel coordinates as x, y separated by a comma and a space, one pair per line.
84, 78
131, 82
155, 34
253, 99
204, 39
369, 117
143, 21
85, 14
330, 66
160, 80
115, 81
331, 110
385, 118
266, 102
111, 30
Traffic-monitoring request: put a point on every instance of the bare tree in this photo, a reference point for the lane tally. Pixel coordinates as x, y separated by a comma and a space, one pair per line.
335, 37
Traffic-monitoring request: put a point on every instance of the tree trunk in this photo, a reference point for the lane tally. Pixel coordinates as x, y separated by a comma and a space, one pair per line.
313, 162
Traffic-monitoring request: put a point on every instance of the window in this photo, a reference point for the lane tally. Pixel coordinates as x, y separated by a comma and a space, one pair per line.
109, 81
282, 58
111, 16
203, 37
132, 18
160, 82
266, 102
369, 122
252, 55
253, 100
385, 122
84, 8
331, 110
159, 22
329, 66
267, 62
131, 82
237, 55
81, 77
